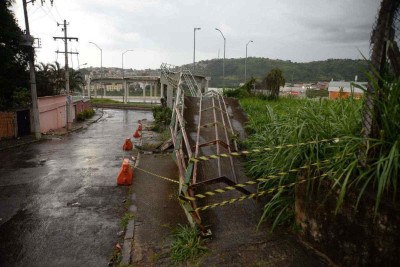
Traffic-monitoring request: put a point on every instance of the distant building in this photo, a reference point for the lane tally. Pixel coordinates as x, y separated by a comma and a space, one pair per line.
298, 89
342, 89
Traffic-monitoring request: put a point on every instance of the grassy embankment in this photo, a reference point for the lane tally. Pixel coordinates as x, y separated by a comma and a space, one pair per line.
108, 101
292, 121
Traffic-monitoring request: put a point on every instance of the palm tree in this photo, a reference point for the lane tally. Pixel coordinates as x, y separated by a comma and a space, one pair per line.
76, 80
58, 76
274, 81
44, 79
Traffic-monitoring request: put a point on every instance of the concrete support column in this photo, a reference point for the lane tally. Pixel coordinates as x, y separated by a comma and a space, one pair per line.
144, 91
88, 88
104, 90
156, 89
162, 90
151, 90
125, 85
170, 95
127, 93
95, 90
206, 84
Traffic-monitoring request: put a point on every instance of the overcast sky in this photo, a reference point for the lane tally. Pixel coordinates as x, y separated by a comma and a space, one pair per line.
162, 31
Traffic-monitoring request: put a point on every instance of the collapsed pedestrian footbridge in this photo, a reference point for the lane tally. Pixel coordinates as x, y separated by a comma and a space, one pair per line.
205, 128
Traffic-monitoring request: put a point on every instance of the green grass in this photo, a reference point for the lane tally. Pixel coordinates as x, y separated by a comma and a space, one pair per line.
290, 121
111, 101
187, 245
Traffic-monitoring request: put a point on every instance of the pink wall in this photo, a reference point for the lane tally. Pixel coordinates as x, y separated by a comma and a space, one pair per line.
52, 111
82, 105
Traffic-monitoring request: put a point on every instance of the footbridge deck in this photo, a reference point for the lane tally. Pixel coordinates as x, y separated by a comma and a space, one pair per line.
205, 123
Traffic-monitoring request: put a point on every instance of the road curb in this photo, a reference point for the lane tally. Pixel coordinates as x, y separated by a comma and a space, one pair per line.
21, 144
46, 135
126, 252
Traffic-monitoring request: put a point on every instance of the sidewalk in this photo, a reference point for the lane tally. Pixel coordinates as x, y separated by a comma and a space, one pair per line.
29, 139
158, 211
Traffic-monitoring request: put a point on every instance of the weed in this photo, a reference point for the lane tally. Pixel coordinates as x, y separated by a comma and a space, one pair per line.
125, 219
187, 244
116, 257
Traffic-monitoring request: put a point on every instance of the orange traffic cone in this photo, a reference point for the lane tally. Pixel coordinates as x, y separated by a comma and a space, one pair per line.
125, 174
140, 127
127, 145
136, 134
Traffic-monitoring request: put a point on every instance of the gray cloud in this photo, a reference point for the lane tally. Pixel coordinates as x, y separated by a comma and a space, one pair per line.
298, 30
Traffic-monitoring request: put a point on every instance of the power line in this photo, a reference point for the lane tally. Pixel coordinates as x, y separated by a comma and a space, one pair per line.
50, 11
41, 17
58, 13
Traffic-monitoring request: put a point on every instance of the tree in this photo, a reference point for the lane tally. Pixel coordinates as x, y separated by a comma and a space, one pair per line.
44, 79
76, 80
13, 57
51, 79
58, 76
274, 81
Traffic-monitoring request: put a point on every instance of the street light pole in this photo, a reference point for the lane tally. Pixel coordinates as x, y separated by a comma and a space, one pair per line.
125, 98
223, 61
194, 47
245, 63
101, 69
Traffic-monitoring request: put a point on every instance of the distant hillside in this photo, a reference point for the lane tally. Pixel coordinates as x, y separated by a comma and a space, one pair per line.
337, 69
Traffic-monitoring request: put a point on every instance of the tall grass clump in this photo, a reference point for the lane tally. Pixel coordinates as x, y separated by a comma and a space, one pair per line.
381, 171
291, 121
187, 244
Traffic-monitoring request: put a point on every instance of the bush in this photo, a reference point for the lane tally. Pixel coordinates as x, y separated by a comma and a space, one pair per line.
86, 114
162, 118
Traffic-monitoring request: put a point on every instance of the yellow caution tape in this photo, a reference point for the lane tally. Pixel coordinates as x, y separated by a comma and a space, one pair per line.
156, 175
258, 150
255, 195
263, 179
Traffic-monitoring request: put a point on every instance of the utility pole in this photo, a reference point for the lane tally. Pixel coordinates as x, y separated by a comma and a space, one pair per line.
32, 77
65, 52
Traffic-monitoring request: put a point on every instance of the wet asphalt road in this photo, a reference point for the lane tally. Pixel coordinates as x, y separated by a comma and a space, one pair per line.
59, 203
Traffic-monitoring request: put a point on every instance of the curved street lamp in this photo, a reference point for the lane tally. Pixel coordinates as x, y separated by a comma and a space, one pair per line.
223, 61
194, 47
245, 63
101, 68
125, 98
